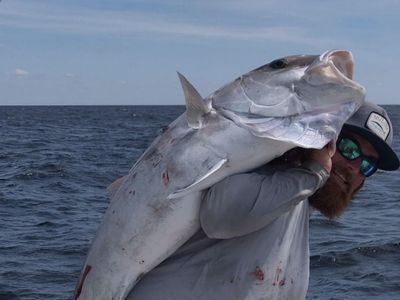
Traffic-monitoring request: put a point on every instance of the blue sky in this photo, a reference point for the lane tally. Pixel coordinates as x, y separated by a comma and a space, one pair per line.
127, 52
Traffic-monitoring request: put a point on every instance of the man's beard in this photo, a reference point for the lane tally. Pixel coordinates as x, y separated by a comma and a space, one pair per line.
334, 197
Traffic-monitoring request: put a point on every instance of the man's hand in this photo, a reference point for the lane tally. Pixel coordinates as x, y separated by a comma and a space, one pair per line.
323, 156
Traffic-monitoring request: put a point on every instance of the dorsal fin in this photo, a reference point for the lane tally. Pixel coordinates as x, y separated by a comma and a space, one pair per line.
196, 107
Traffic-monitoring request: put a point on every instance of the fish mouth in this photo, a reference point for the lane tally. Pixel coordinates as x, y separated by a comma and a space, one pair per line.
334, 66
342, 61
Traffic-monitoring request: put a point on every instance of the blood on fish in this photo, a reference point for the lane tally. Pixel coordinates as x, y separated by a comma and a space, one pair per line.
259, 273
78, 290
165, 178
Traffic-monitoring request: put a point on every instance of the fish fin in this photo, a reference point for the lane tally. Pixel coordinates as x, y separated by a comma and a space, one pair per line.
196, 107
114, 187
188, 189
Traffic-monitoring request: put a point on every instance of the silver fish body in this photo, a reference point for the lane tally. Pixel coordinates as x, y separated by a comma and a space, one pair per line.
298, 101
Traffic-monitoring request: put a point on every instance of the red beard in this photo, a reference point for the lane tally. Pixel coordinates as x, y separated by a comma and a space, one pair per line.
334, 197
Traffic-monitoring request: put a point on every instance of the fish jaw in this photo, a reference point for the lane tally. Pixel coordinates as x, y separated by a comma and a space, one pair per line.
343, 61
336, 67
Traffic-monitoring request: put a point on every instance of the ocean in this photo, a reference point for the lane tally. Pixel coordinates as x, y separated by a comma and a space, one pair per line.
57, 161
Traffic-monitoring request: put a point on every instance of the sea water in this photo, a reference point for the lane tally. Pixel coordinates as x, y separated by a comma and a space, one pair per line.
56, 163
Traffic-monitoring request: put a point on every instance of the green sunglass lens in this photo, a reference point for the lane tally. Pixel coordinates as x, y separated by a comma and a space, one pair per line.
349, 149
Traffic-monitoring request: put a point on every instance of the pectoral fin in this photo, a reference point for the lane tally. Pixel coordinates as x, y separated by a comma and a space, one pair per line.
198, 181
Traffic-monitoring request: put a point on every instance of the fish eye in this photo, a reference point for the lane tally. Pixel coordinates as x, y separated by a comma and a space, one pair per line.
278, 64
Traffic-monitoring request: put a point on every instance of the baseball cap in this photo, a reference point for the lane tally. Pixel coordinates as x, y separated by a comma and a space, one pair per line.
372, 122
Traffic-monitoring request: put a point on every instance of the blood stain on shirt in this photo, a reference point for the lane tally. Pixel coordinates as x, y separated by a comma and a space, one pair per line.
282, 282
278, 272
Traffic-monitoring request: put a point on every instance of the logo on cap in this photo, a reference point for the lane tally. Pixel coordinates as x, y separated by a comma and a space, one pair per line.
378, 125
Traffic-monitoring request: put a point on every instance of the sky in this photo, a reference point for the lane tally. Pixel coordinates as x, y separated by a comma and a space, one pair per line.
120, 52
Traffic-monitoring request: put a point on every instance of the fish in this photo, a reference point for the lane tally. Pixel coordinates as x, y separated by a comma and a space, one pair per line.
295, 101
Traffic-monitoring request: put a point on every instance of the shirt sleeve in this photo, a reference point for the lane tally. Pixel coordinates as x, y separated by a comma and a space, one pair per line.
244, 203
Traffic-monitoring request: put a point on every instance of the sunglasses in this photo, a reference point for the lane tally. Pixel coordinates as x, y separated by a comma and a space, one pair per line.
351, 150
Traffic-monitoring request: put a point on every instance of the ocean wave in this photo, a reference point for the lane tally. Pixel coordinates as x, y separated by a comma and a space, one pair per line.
354, 255
6, 295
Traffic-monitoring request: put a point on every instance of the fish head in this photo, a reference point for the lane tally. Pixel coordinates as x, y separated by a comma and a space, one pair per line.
293, 85
304, 99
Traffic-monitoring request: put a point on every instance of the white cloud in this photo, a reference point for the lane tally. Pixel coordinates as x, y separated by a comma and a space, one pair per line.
21, 72
128, 23
69, 75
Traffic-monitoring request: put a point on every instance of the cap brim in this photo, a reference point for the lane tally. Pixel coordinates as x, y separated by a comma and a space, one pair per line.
388, 159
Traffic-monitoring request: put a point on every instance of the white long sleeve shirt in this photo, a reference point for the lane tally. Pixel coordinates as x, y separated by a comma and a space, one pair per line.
254, 241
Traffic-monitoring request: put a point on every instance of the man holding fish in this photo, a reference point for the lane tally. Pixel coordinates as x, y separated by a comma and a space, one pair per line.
193, 219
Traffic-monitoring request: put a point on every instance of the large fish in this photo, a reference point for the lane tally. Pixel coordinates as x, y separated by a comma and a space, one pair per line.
296, 101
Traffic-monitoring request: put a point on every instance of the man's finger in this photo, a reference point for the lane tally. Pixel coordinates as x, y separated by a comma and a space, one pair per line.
331, 147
